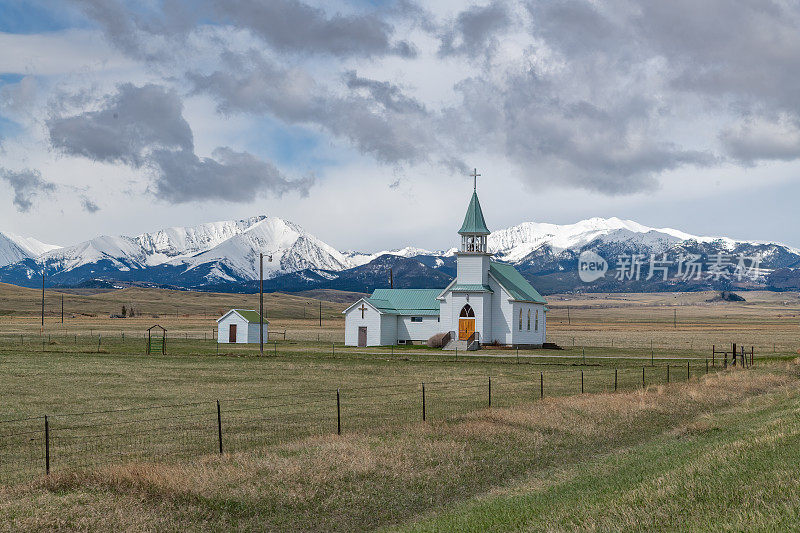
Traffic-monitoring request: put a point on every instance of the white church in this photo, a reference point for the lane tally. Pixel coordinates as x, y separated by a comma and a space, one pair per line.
487, 303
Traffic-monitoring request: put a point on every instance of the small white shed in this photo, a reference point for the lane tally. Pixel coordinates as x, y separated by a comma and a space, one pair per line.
240, 326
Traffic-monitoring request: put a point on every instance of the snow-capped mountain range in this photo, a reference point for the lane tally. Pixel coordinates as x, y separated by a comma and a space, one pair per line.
224, 255
14, 248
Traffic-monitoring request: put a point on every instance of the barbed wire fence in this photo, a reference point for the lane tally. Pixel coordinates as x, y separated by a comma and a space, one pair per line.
680, 346
67, 441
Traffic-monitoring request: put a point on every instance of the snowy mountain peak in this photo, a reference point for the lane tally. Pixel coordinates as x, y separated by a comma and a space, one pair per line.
286, 247
170, 243
15, 248
515, 243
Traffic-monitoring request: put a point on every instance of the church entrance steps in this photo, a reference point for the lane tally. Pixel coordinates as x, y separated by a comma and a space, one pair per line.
463, 346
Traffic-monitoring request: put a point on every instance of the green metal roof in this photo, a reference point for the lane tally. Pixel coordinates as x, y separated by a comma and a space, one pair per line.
249, 315
473, 221
466, 287
406, 301
514, 283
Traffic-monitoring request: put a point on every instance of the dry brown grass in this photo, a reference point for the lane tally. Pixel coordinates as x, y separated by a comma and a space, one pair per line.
359, 481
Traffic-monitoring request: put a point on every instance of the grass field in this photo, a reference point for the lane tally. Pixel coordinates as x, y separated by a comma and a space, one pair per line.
134, 439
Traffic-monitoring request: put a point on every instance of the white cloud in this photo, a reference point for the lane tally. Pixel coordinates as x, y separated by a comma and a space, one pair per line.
59, 53
564, 100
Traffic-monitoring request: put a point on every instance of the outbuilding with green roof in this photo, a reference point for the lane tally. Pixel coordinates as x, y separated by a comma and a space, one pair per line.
240, 326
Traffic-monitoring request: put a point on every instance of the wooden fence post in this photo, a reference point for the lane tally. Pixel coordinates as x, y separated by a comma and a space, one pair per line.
643, 377
46, 445
423, 401
338, 414
219, 426
615, 380
490, 391
581, 381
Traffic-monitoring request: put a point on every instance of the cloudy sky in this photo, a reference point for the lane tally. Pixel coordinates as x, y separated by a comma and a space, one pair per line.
361, 120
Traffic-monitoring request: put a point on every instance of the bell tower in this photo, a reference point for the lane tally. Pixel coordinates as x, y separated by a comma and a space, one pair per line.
473, 255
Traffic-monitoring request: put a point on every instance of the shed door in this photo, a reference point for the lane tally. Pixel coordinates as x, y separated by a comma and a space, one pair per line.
232, 333
362, 336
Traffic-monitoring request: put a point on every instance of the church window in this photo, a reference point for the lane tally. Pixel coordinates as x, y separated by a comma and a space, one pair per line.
529, 319
416, 319
467, 312
520, 319
537, 320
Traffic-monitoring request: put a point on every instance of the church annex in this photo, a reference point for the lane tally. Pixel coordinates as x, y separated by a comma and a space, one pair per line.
487, 303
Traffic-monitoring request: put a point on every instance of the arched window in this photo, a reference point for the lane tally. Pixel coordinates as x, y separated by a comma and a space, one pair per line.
537, 320
529, 319
520, 319
467, 312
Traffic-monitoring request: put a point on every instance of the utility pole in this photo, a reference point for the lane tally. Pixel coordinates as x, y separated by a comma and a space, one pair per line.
62, 308
391, 279
320, 313
261, 304
44, 264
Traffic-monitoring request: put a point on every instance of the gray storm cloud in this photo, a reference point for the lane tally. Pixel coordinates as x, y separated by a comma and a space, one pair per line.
294, 26
89, 205
130, 123
144, 127
589, 101
384, 123
286, 25
229, 175
475, 30
27, 184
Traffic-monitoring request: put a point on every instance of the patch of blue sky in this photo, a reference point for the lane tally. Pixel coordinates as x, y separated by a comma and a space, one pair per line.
10, 79
39, 16
296, 147
9, 128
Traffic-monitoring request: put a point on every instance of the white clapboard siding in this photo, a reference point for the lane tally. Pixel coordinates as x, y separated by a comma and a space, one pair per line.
502, 311
417, 331
353, 321
223, 329
252, 333
472, 269
526, 336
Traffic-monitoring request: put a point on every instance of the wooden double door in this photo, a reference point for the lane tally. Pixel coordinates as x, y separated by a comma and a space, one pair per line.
466, 323
466, 327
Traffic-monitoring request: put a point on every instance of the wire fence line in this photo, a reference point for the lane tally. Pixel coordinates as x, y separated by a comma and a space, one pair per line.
571, 344
34, 445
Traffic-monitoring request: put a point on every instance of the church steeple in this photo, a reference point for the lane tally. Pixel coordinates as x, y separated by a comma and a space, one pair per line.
474, 231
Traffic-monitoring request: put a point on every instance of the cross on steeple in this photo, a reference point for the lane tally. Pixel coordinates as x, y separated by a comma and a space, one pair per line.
474, 177
362, 309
